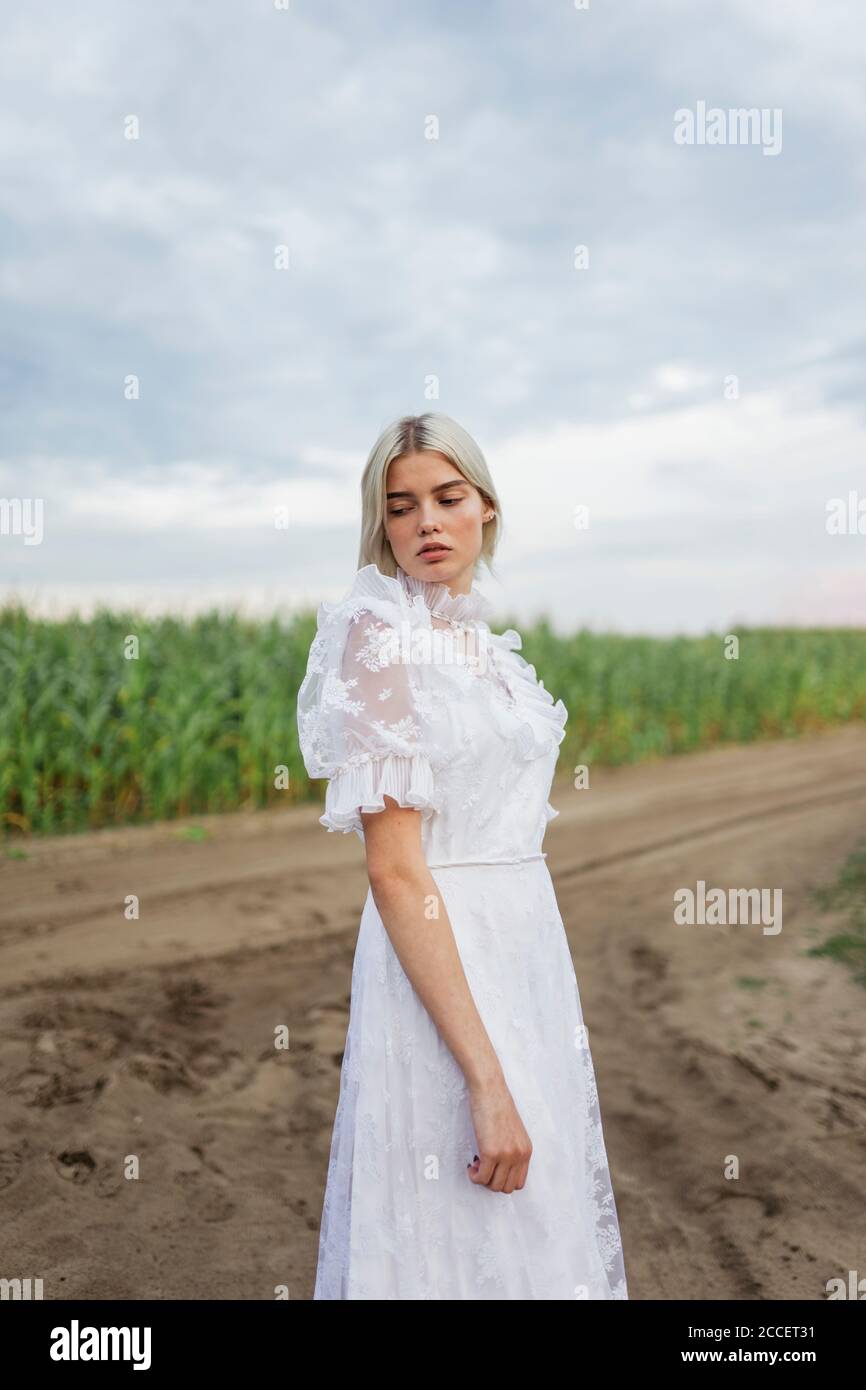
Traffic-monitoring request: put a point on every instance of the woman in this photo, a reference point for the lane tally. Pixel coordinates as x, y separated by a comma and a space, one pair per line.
467, 1159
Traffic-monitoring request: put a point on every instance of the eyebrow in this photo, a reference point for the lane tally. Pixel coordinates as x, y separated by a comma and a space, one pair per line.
440, 487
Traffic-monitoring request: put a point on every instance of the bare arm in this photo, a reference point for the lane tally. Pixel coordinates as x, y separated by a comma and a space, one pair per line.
402, 885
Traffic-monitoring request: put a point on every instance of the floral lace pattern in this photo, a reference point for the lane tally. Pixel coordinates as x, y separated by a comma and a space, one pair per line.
474, 751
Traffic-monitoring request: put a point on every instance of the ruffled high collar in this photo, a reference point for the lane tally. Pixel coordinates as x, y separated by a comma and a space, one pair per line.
459, 608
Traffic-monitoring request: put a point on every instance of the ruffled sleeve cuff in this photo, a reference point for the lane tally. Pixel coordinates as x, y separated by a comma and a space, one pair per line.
409, 780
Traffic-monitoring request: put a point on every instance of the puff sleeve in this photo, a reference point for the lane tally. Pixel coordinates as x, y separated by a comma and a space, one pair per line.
364, 721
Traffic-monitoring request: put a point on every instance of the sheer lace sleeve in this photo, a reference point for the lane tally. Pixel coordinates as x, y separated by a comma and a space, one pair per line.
363, 723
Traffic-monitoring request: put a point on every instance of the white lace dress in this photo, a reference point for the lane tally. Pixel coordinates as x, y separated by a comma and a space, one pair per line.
469, 736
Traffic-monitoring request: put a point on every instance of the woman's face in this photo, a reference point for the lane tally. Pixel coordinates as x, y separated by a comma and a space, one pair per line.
430, 504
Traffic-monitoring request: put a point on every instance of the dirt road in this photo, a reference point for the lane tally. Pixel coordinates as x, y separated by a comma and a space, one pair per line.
149, 1040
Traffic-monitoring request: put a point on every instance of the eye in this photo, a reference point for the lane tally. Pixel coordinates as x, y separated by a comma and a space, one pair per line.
451, 500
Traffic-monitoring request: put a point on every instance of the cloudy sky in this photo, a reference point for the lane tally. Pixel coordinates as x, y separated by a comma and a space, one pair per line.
695, 378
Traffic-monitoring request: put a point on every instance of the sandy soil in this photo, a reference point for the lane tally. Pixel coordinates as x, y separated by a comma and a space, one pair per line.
154, 1038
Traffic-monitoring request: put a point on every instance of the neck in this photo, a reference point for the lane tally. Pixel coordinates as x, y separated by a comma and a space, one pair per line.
462, 582
461, 599
458, 586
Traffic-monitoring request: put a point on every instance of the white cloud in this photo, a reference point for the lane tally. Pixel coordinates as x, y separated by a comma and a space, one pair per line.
412, 258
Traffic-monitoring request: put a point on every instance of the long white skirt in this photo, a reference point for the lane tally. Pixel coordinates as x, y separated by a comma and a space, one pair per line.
401, 1217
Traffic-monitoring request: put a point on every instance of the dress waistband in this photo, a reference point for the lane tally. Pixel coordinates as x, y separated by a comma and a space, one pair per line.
461, 863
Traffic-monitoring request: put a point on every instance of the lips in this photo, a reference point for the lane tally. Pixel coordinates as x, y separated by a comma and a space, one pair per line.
434, 550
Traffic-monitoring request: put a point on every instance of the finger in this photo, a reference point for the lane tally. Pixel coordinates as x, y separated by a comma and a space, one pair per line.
480, 1171
511, 1179
497, 1181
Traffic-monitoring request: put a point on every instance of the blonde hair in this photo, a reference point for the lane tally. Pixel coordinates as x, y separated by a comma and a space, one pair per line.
409, 435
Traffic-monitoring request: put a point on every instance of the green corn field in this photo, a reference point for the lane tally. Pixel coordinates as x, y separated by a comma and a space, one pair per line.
202, 716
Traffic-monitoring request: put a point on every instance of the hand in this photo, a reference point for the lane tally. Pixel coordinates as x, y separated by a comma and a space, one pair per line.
504, 1147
